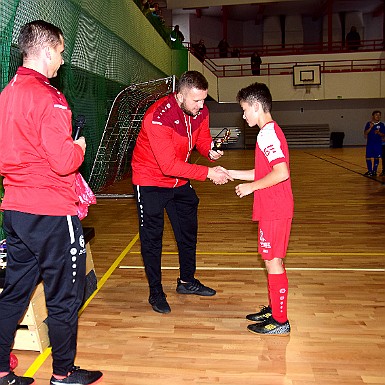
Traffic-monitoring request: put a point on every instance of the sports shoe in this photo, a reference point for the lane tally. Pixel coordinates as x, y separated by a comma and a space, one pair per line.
159, 303
12, 379
194, 287
261, 315
79, 376
368, 173
270, 327
382, 173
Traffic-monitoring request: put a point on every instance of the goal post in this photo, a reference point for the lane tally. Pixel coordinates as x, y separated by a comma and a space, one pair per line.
113, 157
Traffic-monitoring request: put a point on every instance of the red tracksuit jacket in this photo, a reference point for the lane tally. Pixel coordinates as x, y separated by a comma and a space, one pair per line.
38, 156
165, 142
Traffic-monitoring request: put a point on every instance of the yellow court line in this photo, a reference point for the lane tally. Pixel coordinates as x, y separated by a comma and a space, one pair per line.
288, 254
45, 354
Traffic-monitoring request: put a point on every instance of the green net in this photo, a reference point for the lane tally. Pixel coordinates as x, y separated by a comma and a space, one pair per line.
109, 45
113, 158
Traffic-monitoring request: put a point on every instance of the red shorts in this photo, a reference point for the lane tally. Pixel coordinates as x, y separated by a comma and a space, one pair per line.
273, 238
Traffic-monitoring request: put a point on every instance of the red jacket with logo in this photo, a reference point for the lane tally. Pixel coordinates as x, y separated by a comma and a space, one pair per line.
38, 156
165, 142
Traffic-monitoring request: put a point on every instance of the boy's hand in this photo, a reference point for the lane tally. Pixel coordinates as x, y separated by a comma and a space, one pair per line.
244, 189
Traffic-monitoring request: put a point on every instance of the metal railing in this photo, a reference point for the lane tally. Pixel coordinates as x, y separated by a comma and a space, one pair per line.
286, 68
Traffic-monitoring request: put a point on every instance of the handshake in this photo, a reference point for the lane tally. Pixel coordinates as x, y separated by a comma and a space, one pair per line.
219, 175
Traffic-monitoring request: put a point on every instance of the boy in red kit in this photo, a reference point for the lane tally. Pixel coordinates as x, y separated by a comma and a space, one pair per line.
273, 205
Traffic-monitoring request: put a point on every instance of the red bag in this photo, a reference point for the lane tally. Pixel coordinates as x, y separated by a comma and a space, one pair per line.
85, 194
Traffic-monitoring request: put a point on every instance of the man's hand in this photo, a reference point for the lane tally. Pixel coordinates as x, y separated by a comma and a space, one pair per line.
218, 175
82, 143
215, 155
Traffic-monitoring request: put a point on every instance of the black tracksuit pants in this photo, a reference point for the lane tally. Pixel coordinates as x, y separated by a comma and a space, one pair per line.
181, 205
51, 248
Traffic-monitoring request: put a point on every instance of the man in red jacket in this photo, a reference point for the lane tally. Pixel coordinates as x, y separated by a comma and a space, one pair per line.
171, 128
44, 234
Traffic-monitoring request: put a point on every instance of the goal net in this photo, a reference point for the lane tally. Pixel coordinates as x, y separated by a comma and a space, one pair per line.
113, 158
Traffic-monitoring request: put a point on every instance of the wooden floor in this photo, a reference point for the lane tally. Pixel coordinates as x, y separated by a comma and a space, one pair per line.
336, 270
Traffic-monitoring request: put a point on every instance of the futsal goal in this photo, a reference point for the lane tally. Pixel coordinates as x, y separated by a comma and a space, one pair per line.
113, 157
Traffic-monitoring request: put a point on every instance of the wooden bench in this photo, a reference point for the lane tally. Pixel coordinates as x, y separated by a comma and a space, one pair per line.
32, 333
307, 135
299, 135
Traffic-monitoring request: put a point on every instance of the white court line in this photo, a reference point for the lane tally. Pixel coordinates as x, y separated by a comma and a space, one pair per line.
288, 254
261, 268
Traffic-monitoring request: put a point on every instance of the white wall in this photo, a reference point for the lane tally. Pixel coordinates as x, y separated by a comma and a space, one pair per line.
269, 30
252, 33
293, 29
183, 20
312, 30
207, 28
348, 116
373, 27
355, 19
345, 101
272, 31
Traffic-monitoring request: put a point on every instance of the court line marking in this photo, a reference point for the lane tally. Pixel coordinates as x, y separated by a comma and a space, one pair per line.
218, 268
38, 362
45, 354
341, 166
288, 254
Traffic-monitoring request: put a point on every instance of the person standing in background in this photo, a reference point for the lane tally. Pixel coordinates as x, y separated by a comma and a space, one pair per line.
256, 62
223, 47
176, 37
353, 39
374, 132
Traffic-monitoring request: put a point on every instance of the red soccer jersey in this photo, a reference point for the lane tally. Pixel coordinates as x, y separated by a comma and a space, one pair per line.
38, 156
275, 202
165, 142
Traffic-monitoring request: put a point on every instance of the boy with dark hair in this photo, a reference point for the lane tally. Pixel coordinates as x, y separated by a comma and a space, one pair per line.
273, 205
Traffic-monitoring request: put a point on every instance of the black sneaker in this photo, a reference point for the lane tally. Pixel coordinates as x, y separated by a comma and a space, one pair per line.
368, 173
12, 379
159, 303
79, 376
194, 287
262, 315
270, 327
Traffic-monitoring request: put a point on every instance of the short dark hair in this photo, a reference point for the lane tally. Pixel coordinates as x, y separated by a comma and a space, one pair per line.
37, 34
192, 79
376, 112
256, 92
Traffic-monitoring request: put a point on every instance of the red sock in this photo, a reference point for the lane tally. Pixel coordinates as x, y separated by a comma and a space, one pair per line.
278, 290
